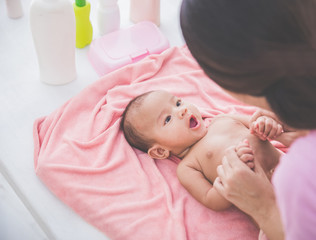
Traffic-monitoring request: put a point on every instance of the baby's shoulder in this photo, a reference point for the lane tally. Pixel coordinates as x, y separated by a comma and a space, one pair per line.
222, 117
190, 160
197, 154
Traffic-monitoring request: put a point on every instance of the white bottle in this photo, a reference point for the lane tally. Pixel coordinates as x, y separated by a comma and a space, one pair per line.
53, 28
145, 10
14, 8
108, 16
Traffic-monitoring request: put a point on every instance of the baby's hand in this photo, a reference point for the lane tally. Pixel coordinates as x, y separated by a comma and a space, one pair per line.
245, 154
266, 128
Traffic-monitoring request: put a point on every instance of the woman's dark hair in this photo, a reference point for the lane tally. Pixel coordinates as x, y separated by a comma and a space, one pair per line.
258, 47
133, 136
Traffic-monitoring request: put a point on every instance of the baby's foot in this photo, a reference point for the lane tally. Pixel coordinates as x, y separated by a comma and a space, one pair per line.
245, 154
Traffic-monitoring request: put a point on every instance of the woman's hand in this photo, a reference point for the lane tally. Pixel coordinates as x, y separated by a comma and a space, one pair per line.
244, 187
249, 190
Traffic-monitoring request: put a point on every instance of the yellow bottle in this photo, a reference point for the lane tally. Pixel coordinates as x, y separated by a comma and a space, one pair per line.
83, 25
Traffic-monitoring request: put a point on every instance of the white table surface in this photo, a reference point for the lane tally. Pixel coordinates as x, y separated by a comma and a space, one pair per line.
28, 210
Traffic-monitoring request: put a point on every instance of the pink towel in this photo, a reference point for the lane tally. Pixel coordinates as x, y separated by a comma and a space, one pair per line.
84, 159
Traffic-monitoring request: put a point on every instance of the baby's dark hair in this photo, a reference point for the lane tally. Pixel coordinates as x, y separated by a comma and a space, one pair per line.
133, 136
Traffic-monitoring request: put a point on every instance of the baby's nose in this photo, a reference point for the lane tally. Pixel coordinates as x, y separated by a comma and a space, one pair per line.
182, 112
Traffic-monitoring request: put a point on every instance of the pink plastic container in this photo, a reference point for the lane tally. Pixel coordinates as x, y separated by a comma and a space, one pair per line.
126, 46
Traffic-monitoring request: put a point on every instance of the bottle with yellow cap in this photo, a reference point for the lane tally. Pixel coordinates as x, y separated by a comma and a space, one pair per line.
83, 25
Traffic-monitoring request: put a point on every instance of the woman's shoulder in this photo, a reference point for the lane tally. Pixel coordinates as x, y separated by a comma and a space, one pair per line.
301, 156
305, 143
294, 184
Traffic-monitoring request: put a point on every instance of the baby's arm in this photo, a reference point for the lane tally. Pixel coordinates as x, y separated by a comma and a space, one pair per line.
263, 126
200, 188
285, 135
266, 128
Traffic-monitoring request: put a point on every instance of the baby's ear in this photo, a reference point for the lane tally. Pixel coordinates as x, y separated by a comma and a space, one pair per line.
158, 152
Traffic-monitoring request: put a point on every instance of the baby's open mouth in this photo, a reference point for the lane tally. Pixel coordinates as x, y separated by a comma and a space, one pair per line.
193, 122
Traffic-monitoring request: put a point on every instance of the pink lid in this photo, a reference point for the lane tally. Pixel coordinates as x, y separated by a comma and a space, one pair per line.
125, 46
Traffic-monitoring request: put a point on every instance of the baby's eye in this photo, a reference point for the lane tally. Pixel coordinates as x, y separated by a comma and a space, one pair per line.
168, 118
178, 103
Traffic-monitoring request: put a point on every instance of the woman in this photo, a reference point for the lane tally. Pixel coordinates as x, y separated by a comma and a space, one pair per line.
263, 52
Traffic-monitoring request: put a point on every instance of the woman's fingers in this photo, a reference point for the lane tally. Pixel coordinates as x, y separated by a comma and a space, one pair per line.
220, 172
219, 186
225, 168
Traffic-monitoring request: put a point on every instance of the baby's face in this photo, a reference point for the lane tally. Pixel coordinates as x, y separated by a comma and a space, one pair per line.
170, 121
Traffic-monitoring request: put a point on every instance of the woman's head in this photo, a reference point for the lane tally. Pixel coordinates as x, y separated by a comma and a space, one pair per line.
258, 47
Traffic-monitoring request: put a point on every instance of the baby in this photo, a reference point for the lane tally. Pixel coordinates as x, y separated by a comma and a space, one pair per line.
162, 125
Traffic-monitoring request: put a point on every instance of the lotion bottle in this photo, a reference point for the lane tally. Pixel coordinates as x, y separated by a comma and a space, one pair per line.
53, 29
84, 29
145, 10
108, 16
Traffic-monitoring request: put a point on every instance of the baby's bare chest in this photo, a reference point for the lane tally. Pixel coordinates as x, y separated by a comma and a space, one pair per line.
209, 151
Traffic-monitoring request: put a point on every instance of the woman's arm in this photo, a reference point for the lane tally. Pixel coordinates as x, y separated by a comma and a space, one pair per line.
287, 138
251, 191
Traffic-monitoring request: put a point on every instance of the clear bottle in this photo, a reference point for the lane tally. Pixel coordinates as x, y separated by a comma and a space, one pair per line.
145, 10
108, 16
53, 29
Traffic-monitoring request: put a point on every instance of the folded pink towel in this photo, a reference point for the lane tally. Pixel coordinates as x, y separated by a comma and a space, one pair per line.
83, 157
